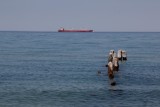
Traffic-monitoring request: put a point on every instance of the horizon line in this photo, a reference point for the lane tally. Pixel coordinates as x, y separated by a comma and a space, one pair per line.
71, 32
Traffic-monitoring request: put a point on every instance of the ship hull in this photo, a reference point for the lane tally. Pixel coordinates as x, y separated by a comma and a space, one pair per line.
75, 30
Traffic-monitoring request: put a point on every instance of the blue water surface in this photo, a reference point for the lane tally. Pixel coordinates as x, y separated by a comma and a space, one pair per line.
51, 69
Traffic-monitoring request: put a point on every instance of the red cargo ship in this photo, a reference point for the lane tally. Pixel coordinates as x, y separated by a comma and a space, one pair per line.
70, 30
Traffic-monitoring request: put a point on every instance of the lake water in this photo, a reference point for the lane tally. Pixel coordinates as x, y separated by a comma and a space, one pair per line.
51, 69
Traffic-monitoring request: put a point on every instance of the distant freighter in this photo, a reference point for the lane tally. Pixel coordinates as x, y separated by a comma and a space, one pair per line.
72, 30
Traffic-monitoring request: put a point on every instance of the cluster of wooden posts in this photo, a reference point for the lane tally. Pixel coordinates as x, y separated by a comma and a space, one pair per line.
113, 63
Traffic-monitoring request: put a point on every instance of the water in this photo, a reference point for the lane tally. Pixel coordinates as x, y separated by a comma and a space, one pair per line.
51, 69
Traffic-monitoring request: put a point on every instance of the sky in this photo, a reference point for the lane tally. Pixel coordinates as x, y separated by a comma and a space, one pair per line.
99, 15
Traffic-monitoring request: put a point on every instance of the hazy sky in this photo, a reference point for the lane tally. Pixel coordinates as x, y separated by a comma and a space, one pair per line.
99, 15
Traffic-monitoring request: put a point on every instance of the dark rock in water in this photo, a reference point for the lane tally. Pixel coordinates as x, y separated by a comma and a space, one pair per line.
113, 83
98, 72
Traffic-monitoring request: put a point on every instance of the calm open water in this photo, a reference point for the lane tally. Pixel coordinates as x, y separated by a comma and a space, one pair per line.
51, 69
